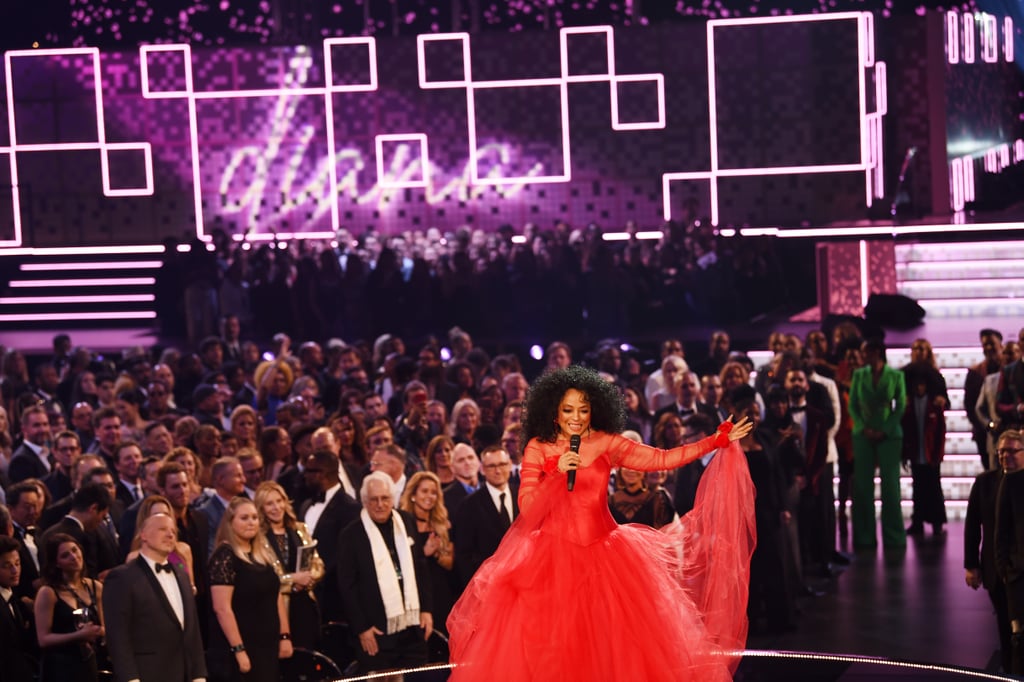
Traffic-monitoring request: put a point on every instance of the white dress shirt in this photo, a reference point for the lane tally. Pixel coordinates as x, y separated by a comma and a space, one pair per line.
496, 498
316, 509
169, 582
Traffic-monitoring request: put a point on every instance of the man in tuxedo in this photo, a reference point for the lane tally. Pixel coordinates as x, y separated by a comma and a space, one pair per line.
688, 401
383, 580
127, 459
24, 503
31, 459
325, 515
466, 467
89, 507
485, 515
230, 338
18, 649
228, 482
151, 617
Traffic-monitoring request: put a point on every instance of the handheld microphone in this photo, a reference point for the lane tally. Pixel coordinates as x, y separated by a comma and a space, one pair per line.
574, 445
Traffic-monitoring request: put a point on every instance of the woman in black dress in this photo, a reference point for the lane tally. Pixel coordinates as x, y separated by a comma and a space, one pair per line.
250, 631
423, 499
69, 616
286, 536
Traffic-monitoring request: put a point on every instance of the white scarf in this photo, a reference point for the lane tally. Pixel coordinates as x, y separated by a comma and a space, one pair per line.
400, 615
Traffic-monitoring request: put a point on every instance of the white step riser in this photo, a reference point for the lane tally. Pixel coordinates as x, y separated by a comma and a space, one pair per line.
974, 309
963, 289
909, 272
906, 253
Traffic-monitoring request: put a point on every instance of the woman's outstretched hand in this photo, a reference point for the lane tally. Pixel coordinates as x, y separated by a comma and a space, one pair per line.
740, 429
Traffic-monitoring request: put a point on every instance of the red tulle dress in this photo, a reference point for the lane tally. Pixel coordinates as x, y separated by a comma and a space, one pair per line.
571, 595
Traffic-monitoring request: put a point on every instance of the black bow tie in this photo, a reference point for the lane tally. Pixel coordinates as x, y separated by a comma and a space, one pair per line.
319, 497
164, 567
683, 411
797, 408
29, 531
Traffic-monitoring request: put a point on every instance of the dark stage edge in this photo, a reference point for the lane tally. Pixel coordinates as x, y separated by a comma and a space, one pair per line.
792, 666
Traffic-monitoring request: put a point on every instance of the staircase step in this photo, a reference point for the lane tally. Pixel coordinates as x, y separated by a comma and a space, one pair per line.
972, 308
978, 269
963, 288
960, 251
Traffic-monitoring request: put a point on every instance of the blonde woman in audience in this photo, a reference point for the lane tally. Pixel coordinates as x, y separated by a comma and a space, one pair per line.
296, 561
465, 419
252, 630
423, 499
246, 426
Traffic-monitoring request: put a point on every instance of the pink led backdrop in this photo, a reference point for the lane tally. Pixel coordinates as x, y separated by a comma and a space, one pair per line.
589, 124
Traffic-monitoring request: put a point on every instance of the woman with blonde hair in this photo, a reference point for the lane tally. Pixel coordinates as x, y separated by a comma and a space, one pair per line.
246, 426
182, 554
464, 420
423, 499
249, 608
295, 560
439, 458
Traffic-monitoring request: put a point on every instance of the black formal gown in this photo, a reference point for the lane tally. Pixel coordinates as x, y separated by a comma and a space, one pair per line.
441, 581
254, 603
303, 612
74, 662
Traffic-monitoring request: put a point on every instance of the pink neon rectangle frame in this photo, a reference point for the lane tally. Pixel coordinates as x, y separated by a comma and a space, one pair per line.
378, 145
871, 151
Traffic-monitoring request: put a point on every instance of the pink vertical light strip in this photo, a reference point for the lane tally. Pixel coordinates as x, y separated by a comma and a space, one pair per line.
713, 123
989, 38
968, 38
968, 166
956, 184
865, 286
952, 37
1008, 38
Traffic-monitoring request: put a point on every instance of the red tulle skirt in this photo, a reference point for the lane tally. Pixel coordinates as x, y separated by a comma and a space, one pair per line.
635, 605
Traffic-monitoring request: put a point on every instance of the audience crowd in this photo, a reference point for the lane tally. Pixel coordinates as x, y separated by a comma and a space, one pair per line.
338, 497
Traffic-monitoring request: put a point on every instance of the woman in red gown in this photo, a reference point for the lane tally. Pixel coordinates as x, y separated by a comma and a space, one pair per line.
571, 595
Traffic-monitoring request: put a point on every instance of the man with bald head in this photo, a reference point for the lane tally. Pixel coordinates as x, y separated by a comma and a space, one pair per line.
466, 466
150, 613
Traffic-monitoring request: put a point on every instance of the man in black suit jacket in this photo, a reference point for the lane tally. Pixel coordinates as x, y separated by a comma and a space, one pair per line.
18, 649
66, 447
390, 611
979, 538
89, 508
326, 515
688, 401
32, 458
24, 500
485, 515
228, 482
152, 623
1009, 542
466, 467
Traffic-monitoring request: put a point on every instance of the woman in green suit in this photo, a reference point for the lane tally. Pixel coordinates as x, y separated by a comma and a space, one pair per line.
878, 397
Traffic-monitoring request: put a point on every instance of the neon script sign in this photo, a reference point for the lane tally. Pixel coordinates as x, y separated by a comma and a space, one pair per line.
249, 175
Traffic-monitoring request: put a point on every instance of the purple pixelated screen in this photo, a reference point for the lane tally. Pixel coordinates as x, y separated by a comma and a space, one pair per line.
585, 125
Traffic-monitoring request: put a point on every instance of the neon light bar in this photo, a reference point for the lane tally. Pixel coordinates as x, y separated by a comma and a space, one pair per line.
615, 236
113, 298
968, 178
106, 282
518, 239
650, 234
122, 265
969, 38
989, 38
865, 287
83, 250
952, 38
1008, 38
58, 317
888, 230
956, 184
941, 283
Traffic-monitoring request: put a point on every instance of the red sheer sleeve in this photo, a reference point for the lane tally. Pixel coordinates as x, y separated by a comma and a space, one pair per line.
641, 457
535, 469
